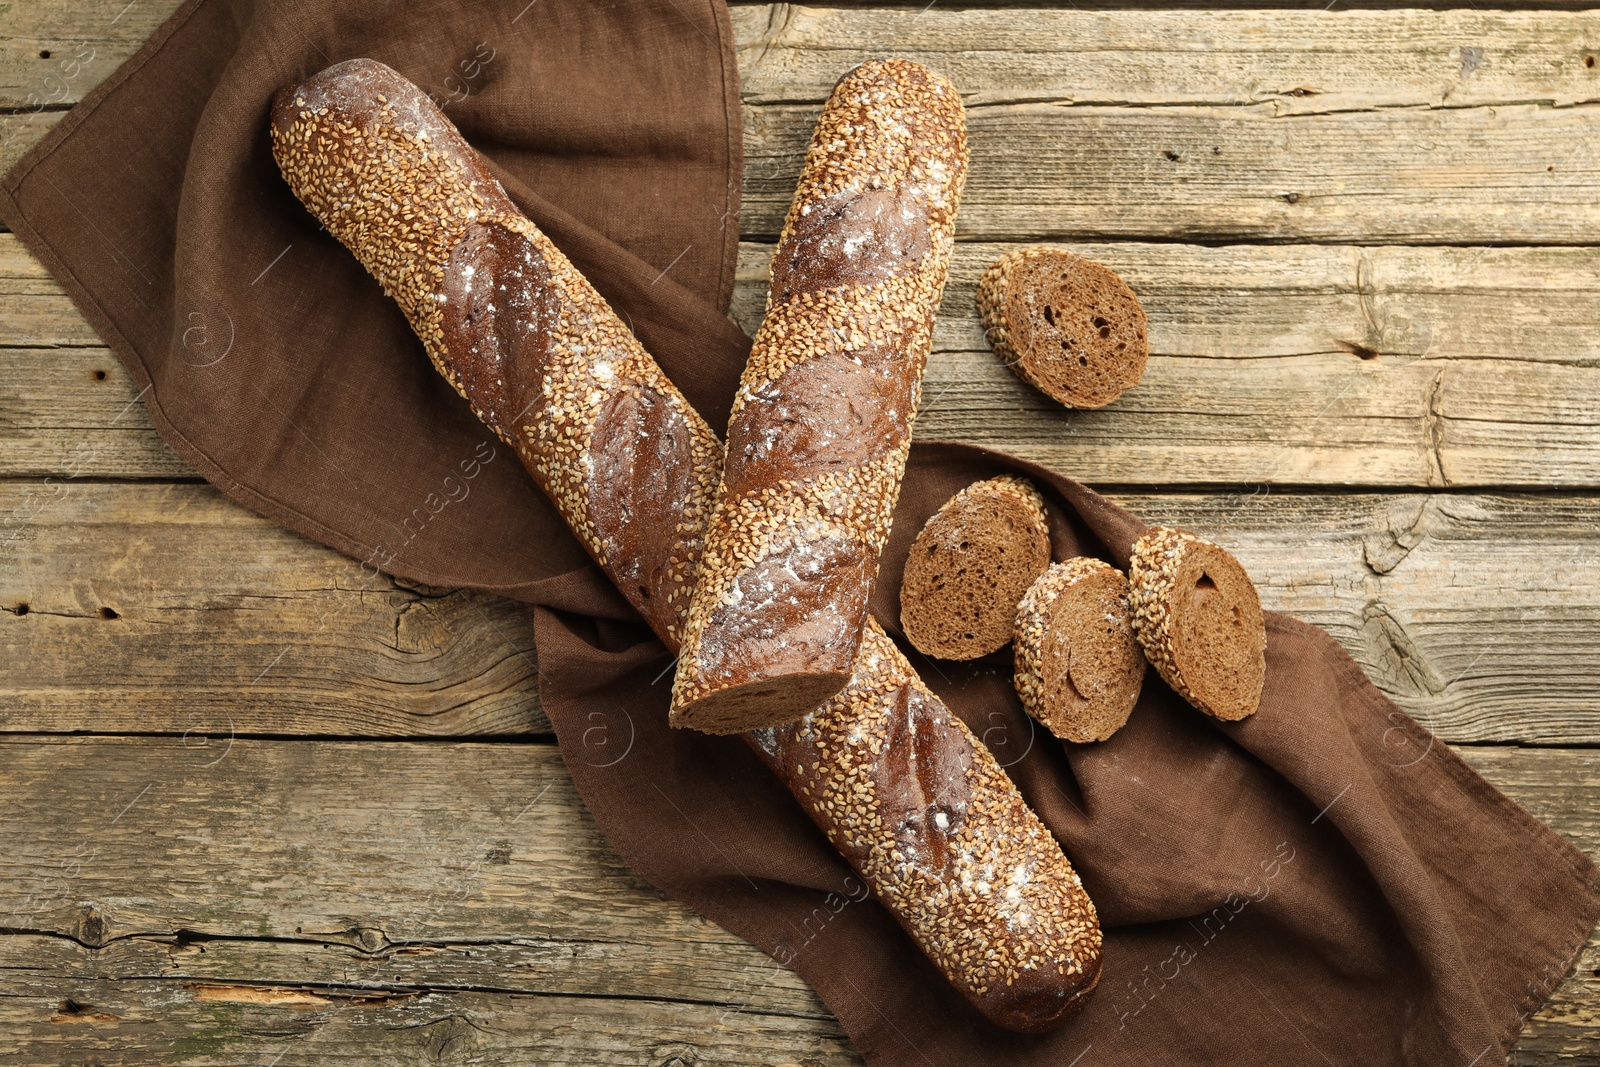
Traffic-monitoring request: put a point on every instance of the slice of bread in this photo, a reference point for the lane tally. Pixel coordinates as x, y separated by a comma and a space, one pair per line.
969, 567
1199, 619
1067, 325
1078, 664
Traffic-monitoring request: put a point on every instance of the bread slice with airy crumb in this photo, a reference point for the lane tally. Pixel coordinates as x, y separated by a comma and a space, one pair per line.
1198, 617
1068, 326
969, 567
1078, 665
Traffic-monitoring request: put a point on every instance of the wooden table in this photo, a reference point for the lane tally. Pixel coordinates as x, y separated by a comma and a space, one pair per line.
256, 810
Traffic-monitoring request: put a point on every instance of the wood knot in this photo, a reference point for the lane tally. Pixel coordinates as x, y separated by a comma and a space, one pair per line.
92, 929
368, 938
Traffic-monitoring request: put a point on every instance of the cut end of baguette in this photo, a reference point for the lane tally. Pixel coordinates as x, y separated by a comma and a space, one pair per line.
969, 567
772, 701
1198, 617
1079, 667
1066, 325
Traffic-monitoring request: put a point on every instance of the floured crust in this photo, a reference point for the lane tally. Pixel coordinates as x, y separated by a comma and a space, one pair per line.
875, 766
821, 422
1066, 325
970, 565
1199, 620
1079, 666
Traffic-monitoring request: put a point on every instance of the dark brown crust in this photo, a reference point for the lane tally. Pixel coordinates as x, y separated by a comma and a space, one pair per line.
1066, 325
969, 567
824, 248
861, 765
821, 424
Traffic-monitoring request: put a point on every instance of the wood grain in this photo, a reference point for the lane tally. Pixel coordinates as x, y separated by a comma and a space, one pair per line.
170, 608
1476, 613
1176, 127
53, 51
1518, 173
164, 905
1293, 364
1305, 61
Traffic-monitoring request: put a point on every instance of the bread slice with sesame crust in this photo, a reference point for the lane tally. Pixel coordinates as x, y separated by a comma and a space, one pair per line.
1066, 325
1079, 667
969, 567
1198, 617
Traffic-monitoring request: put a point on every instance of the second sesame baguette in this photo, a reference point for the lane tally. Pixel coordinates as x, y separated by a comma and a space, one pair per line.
899, 785
821, 422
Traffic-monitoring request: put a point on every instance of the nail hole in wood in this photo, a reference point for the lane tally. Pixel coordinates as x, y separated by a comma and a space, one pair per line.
109, 613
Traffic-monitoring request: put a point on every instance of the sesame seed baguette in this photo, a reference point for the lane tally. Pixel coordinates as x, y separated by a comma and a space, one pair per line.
508, 321
821, 422
899, 785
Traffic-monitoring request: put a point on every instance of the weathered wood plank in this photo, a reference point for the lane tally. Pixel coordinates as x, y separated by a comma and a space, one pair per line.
53, 51
1303, 61
159, 908
73, 412
1416, 139
1478, 614
372, 899
478, 856
1471, 612
138, 1023
1514, 174
169, 608
1296, 364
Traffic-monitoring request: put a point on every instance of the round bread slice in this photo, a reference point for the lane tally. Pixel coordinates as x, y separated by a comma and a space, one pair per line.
969, 567
1199, 619
1067, 325
1078, 664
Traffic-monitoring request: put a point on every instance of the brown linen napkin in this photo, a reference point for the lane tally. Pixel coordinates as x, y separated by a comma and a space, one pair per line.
1323, 882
